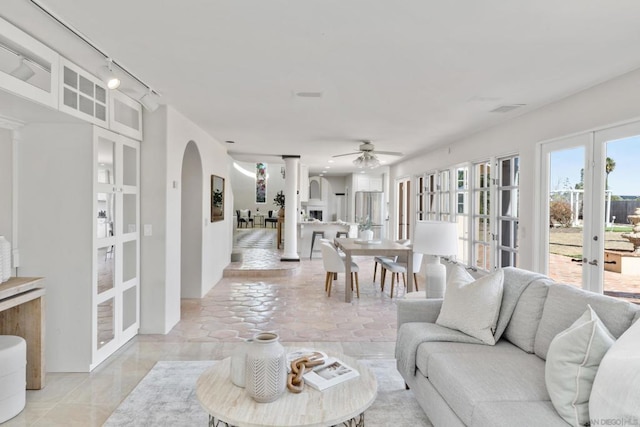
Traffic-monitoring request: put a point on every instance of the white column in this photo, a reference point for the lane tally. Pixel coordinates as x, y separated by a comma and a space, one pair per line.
291, 164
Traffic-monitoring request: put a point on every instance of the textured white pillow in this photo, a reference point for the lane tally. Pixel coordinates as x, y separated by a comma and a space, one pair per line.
244, 213
572, 362
473, 307
616, 390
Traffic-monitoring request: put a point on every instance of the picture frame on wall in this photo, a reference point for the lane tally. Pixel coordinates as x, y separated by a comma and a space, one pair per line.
217, 198
261, 183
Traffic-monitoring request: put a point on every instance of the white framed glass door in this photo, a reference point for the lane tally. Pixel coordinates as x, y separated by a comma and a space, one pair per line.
582, 180
403, 208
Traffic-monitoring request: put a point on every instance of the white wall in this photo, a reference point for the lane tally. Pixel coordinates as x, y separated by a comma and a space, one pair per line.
191, 240
6, 182
244, 188
602, 106
167, 133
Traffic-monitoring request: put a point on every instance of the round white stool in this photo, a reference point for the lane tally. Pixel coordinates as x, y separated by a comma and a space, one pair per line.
13, 376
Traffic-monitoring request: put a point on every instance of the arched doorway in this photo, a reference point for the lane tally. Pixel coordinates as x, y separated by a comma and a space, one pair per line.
191, 223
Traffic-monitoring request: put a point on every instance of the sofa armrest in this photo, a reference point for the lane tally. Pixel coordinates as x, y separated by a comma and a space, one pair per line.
418, 310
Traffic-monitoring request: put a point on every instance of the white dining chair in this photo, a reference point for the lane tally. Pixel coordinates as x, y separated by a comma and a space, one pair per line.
397, 268
334, 264
381, 259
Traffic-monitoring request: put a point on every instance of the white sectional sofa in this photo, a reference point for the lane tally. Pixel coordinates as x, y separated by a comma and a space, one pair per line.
460, 381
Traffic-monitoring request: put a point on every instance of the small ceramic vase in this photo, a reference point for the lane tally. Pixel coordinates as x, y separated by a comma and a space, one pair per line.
266, 370
366, 235
239, 363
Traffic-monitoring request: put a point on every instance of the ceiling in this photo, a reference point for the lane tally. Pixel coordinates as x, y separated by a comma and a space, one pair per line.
406, 75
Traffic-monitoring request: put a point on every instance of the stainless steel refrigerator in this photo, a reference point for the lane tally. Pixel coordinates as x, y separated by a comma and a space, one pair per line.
370, 204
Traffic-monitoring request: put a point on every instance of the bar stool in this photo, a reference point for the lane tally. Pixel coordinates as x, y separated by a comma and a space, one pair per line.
313, 240
342, 234
13, 376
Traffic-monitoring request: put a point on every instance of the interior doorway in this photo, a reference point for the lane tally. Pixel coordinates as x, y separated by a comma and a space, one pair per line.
191, 223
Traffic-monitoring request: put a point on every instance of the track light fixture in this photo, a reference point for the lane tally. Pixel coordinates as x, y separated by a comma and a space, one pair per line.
150, 100
23, 72
107, 75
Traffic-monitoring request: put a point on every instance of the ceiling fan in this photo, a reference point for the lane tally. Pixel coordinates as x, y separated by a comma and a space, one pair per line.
367, 155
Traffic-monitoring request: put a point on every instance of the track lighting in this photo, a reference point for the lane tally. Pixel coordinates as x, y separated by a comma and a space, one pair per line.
23, 72
150, 100
107, 75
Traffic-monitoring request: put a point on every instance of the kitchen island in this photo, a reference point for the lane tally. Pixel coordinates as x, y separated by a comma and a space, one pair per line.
330, 229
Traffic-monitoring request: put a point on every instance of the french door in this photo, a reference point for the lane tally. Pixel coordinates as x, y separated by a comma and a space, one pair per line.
582, 180
403, 208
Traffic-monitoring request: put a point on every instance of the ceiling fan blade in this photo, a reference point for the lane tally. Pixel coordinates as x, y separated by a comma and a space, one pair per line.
347, 154
388, 153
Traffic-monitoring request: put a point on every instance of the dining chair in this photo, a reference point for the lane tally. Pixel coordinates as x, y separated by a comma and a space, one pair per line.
397, 268
380, 259
241, 219
334, 264
271, 219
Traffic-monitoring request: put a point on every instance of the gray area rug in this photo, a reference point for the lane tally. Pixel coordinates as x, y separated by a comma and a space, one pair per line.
166, 397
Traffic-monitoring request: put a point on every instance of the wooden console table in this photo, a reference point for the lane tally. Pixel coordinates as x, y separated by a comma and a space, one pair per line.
22, 314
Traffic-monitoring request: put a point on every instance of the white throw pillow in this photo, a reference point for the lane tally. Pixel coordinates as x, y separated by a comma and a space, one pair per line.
572, 362
473, 307
616, 390
244, 213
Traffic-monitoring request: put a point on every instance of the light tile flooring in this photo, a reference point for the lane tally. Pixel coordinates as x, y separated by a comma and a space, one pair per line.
295, 306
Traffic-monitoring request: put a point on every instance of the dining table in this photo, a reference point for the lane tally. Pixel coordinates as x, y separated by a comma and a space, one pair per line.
383, 247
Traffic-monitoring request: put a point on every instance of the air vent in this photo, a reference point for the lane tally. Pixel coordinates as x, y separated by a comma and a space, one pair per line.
506, 108
309, 94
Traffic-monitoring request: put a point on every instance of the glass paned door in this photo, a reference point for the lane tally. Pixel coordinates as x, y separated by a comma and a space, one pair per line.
588, 208
620, 148
403, 204
565, 214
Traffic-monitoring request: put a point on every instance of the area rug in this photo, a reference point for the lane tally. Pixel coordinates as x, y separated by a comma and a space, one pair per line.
166, 397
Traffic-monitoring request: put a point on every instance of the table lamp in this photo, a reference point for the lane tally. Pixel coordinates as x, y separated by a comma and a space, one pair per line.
436, 238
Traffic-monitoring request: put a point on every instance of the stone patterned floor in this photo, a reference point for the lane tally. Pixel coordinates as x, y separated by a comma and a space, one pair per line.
261, 293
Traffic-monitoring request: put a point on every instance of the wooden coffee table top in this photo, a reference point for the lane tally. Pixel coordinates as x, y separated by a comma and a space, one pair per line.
339, 403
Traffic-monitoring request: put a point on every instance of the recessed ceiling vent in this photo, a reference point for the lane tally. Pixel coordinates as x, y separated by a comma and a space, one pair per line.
506, 108
309, 94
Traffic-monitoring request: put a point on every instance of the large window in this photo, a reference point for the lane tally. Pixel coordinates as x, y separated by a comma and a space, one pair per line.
444, 196
508, 178
482, 233
483, 200
462, 212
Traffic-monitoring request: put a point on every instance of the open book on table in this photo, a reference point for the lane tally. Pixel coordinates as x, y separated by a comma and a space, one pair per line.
333, 372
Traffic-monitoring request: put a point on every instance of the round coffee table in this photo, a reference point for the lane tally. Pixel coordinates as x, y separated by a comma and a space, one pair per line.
342, 404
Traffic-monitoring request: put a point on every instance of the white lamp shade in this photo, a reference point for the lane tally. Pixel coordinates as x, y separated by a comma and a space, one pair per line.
436, 238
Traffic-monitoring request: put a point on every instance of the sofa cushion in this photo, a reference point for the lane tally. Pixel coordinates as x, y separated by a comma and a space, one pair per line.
516, 281
428, 349
466, 379
565, 304
637, 317
521, 414
473, 308
523, 326
572, 362
616, 391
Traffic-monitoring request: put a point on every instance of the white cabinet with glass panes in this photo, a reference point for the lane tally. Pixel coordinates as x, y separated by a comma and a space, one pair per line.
79, 227
82, 95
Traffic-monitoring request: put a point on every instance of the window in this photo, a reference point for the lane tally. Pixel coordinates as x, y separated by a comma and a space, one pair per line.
482, 233
420, 203
444, 190
508, 197
462, 212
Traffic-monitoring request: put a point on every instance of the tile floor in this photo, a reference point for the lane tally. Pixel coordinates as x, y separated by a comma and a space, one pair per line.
267, 295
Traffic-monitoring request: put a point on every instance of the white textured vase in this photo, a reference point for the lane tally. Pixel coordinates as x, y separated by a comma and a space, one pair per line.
239, 363
5, 248
366, 235
266, 369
